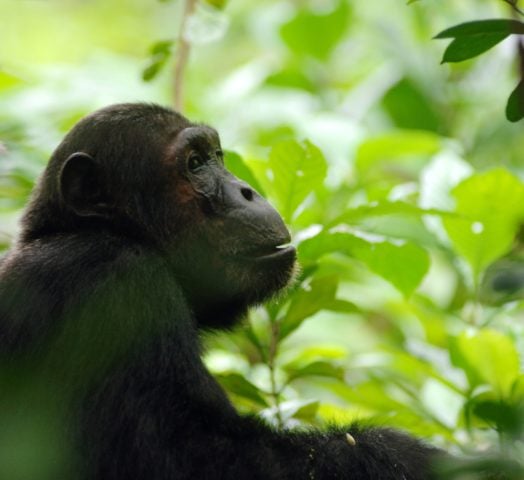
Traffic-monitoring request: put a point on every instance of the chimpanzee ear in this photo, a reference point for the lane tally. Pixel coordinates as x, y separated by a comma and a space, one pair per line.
82, 187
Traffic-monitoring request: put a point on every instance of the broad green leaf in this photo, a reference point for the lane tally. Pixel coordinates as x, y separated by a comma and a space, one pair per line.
298, 169
482, 27
490, 207
410, 107
314, 369
320, 352
404, 265
238, 167
515, 106
325, 243
387, 208
301, 409
462, 49
487, 357
402, 145
506, 417
307, 301
473, 38
369, 395
242, 387
291, 78
316, 34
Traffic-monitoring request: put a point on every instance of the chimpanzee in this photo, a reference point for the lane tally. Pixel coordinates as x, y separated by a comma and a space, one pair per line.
137, 238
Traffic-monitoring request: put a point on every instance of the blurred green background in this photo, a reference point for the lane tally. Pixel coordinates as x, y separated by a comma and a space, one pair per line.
400, 179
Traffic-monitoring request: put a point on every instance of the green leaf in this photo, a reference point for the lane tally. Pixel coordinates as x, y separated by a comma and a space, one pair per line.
515, 106
162, 47
482, 27
152, 70
500, 415
487, 357
325, 243
220, 4
379, 153
404, 265
160, 54
462, 49
298, 169
316, 34
236, 165
314, 369
473, 38
8, 81
238, 385
410, 107
307, 301
301, 409
490, 207
386, 208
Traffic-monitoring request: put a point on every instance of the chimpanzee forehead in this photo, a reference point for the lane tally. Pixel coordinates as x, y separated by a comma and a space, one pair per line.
199, 133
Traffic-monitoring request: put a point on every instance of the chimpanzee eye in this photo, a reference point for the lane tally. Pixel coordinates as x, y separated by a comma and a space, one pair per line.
195, 162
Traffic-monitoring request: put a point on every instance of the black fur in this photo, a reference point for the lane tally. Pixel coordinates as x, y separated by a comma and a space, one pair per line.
136, 237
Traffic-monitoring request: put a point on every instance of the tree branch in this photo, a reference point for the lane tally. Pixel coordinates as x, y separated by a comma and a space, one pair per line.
273, 350
514, 6
182, 55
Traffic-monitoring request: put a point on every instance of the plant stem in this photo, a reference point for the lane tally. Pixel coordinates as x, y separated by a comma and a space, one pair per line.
182, 55
273, 349
514, 6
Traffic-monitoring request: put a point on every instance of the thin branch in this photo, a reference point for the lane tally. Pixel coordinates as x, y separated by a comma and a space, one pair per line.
514, 6
272, 354
520, 48
182, 55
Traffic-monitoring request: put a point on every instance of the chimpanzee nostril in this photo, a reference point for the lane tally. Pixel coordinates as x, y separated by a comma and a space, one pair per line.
247, 193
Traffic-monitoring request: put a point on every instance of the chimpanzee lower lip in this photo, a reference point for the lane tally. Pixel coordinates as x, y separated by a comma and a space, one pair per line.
280, 250
267, 252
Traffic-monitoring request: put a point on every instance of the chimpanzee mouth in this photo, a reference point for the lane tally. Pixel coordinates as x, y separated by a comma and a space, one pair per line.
268, 252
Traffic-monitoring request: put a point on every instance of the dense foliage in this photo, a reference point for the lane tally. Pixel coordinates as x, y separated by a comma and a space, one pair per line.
400, 179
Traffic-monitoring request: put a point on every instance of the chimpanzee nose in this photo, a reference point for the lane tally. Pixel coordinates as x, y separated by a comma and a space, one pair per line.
247, 193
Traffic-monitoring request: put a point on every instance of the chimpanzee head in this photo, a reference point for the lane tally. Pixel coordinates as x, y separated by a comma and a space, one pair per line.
147, 174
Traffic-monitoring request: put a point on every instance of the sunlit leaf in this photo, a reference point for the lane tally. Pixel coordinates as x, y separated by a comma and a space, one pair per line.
314, 33
217, 3
315, 369
488, 358
490, 207
382, 153
236, 165
8, 81
238, 385
404, 264
298, 169
307, 301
